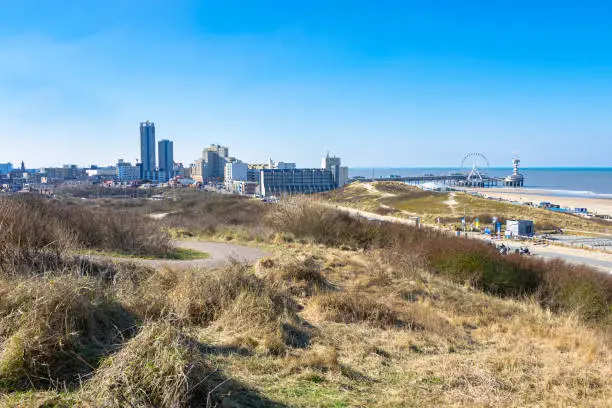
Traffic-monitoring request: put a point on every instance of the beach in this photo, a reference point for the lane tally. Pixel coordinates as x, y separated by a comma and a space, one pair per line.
523, 195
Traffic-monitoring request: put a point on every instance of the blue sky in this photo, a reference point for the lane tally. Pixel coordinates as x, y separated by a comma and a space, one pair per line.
380, 83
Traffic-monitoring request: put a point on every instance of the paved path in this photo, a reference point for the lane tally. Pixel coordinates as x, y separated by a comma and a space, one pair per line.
221, 253
594, 259
600, 261
576, 256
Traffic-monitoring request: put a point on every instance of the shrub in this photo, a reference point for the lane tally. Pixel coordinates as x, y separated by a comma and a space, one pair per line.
325, 225
30, 223
28, 226
208, 213
577, 288
484, 269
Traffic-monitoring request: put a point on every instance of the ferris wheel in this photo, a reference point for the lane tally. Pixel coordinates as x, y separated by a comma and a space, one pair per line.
476, 166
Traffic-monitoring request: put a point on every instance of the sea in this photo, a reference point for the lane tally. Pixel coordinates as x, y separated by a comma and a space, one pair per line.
592, 182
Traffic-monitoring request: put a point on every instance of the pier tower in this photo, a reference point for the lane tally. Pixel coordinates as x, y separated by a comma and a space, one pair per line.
516, 179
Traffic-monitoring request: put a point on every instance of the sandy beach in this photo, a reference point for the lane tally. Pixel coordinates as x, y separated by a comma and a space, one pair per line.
593, 205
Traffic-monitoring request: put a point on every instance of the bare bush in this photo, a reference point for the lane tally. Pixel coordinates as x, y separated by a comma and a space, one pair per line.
31, 224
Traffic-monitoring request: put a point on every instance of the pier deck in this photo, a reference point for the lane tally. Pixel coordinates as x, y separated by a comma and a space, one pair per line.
453, 179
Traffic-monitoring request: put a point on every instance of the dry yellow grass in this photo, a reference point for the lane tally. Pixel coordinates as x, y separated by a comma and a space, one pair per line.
461, 348
159, 367
470, 349
312, 325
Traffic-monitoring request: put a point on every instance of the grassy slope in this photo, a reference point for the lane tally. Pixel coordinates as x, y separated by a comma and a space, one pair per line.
466, 348
311, 326
476, 206
462, 347
355, 196
430, 205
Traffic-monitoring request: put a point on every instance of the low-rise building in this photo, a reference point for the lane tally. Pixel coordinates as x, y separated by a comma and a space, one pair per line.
104, 172
520, 228
275, 182
66, 172
243, 187
126, 172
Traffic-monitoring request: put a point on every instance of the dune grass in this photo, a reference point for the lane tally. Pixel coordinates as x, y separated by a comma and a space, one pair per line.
395, 198
428, 205
346, 312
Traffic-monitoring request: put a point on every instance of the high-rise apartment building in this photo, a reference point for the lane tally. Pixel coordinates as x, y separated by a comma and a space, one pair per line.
6, 168
147, 149
216, 157
334, 165
211, 167
166, 159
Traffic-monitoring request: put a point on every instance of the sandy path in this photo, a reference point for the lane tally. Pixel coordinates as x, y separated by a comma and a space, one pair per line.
375, 217
372, 188
451, 202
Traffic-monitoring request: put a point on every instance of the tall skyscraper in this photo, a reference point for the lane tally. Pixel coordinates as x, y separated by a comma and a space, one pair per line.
166, 158
147, 149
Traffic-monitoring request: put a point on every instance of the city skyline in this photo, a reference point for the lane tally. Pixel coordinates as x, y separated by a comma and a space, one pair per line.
396, 85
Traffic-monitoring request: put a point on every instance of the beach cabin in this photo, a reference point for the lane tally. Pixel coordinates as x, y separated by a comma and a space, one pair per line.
520, 228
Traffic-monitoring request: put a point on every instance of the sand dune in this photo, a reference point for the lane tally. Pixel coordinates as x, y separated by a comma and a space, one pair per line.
594, 205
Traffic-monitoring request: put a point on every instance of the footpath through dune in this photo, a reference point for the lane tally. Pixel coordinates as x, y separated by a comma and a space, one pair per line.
221, 253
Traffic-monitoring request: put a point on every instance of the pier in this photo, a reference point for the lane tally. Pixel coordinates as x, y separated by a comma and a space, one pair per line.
472, 173
460, 180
